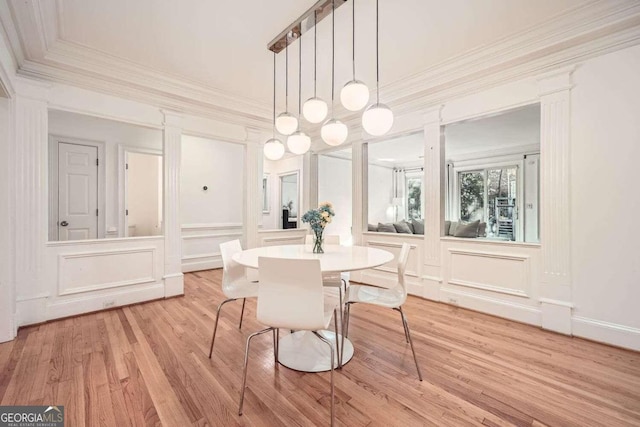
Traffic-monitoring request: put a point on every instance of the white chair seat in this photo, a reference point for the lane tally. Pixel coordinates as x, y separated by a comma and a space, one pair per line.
241, 288
390, 298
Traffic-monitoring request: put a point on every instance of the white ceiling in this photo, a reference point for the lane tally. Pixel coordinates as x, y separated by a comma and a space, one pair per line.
222, 44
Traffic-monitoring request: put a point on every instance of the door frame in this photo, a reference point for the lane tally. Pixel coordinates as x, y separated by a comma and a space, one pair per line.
54, 140
281, 175
123, 150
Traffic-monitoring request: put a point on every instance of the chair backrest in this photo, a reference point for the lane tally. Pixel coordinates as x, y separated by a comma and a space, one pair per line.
329, 239
290, 295
231, 270
403, 257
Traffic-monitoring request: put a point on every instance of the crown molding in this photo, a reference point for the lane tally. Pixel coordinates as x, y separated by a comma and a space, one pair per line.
592, 29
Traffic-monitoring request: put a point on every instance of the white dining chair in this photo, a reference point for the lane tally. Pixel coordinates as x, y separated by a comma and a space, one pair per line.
392, 298
291, 296
235, 284
332, 280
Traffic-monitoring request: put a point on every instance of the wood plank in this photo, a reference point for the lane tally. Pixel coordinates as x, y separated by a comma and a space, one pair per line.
148, 365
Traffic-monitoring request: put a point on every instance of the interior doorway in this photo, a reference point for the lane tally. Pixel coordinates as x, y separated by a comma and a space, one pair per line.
143, 193
75, 188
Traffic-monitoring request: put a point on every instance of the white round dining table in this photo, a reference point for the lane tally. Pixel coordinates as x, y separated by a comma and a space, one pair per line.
302, 350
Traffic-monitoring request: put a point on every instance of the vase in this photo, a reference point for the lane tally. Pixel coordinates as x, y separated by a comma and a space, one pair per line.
317, 243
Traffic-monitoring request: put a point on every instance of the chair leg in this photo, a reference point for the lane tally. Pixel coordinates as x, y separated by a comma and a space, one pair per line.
244, 301
406, 326
338, 345
346, 319
246, 362
332, 386
276, 338
215, 328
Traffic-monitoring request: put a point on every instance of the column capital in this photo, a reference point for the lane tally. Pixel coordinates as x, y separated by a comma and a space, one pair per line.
255, 135
433, 115
555, 81
172, 118
32, 89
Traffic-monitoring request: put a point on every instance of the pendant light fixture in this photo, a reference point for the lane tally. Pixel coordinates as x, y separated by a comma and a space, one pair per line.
286, 123
273, 148
355, 94
299, 142
315, 109
333, 132
377, 118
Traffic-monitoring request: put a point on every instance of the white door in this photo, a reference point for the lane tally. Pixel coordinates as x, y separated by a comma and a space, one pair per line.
77, 192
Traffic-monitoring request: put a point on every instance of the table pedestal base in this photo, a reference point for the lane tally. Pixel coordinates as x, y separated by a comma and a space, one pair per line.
305, 352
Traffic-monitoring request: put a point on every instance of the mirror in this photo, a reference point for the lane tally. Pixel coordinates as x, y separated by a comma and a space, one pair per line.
105, 178
395, 184
289, 200
282, 193
492, 176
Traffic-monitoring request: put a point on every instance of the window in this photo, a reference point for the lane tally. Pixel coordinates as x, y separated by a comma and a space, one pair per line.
413, 191
490, 195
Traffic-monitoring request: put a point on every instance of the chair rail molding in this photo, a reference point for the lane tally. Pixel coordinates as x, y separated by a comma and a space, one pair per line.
555, 234
172, 137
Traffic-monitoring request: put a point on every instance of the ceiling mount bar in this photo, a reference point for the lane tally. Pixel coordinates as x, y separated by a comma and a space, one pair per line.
304, 23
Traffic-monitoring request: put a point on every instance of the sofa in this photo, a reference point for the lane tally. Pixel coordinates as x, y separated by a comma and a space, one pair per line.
462, 229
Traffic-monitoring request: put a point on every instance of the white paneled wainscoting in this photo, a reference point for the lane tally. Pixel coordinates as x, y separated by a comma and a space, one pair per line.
93, 275
499, 278
201, 243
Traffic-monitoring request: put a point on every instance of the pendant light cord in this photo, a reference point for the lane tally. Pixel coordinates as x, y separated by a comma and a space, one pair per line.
315, 48
377, 56
300, 77
274, 95
286, 75
353, 37
333, 51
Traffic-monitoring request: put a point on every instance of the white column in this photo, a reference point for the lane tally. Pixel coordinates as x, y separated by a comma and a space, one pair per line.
172, 137
29, 175
434, 202
555, 235
309, 182
359, 192
7, 259
252, 206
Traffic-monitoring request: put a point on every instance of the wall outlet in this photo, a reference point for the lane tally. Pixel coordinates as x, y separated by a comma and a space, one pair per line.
108, 304
453, 301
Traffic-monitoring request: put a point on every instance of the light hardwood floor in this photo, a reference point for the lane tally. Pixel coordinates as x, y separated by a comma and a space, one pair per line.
147, 365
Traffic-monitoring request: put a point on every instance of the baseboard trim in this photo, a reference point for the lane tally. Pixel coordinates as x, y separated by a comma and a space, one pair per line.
206, 264
606, 332
492, 306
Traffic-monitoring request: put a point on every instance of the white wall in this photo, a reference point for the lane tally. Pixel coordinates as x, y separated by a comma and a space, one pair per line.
112, 134
6, 249
380, 194
213, 216
605, 199
144, 194
274, 169
334, 185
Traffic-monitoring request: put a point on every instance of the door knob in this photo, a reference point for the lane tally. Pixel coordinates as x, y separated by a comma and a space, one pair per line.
64, 223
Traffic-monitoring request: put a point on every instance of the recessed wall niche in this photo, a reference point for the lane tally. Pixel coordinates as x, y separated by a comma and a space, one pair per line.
105, 178
492, 176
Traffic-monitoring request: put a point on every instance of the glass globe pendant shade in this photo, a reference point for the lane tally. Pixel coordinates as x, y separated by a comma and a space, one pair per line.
334, 132
299, 142
377, 119
273, 149
354, 95
286, 124
314, 110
